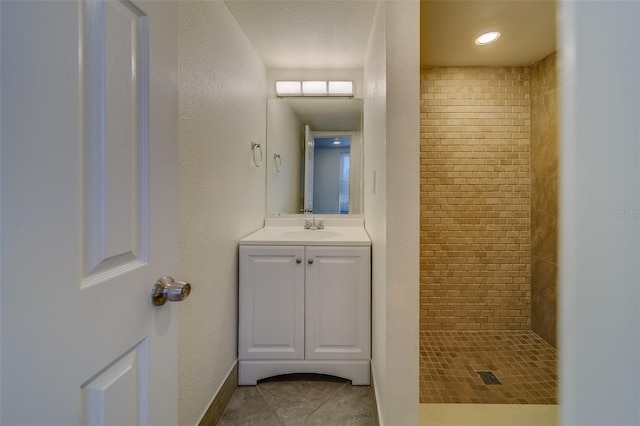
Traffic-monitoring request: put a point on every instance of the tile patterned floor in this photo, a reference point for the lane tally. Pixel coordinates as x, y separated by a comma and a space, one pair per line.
523, 362
300, 400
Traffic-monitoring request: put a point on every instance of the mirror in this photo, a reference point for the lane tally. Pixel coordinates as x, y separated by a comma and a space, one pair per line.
314, 156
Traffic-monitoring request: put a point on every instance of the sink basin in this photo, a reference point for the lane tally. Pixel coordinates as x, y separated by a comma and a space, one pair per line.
297, 236
310, 234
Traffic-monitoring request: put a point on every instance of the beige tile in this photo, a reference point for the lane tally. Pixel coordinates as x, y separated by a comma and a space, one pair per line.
544, 299
523, 362
475, 199
294, 400
298, 399
248, 407
350, 406
544, 76
544, 135
488, 415
544, 219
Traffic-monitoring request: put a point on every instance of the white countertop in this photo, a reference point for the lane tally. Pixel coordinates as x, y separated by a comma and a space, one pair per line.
298, 236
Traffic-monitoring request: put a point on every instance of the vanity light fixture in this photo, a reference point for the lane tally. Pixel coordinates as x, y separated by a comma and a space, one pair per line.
289, 88
341, 88
314, 88
487, 38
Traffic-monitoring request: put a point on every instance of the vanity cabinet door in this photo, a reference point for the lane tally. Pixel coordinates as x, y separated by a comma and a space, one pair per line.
338, 303
271, 303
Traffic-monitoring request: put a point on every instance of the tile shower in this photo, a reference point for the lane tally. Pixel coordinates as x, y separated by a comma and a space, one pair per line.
488, 233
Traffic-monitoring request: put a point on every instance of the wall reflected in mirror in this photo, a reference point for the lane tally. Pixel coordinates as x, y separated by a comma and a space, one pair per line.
315, 149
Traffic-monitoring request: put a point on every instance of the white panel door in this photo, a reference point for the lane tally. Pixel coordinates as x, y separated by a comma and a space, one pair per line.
271, 318
338, 303
88, 220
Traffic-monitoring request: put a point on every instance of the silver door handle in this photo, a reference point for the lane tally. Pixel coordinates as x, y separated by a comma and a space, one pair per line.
168, 289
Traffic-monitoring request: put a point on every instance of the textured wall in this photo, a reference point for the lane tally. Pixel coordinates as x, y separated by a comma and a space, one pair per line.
544, 198
285, 136
222, 95
391, 129
475, 199
599, 372
375, 207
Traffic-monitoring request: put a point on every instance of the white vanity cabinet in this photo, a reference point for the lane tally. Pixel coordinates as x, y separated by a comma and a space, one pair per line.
271, 295
304, 309
337, 303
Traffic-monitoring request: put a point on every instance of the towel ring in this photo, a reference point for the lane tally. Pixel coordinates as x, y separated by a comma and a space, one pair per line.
277, 162
255, 147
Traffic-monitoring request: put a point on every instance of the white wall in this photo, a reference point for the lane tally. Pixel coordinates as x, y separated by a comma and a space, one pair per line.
222, 95
285, 137
356, 164
391, 131
375, 206
403, 209
599, 213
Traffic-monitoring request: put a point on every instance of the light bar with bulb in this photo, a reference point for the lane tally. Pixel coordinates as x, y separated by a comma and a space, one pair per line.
314, 88
288, 88
341, 88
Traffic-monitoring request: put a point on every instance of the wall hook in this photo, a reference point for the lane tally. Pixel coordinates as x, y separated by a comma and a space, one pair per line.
277, 162
257, 154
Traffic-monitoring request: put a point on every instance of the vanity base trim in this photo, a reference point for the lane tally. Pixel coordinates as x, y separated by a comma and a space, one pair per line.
359, 372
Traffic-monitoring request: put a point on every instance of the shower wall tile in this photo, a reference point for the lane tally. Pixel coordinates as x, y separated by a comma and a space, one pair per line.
544, 219
544, 134
544, 197
544, 299
475, 199
544, 77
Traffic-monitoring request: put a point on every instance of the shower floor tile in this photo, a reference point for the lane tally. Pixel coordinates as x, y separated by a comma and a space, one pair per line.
450, 361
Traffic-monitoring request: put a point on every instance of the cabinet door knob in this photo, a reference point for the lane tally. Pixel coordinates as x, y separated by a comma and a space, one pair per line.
310, 261
298, 260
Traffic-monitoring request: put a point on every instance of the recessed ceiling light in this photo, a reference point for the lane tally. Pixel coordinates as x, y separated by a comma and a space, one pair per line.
336, 141
487, 38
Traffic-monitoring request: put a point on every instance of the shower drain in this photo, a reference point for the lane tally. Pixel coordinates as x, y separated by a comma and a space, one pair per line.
488, 378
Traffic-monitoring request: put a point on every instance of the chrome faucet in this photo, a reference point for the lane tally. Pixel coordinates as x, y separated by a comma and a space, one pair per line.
314, 223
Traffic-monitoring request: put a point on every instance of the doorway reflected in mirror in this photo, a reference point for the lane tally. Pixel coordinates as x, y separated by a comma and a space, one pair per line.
298, 131
331, 173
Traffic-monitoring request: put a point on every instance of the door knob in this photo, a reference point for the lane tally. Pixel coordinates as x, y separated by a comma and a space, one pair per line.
168, 289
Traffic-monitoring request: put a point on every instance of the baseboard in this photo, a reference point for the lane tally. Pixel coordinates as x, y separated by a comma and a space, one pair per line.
374, 394
221, 399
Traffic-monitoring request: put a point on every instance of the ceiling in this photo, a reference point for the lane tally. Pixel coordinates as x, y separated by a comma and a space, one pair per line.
328, 114
327, 143
448, 29
306, 34
333, 34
